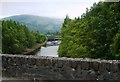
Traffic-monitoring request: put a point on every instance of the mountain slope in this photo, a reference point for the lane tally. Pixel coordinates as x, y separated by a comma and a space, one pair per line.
42, 24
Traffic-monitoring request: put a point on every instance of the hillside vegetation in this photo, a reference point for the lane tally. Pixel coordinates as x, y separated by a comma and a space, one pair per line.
96, 34
17, 37
42, 24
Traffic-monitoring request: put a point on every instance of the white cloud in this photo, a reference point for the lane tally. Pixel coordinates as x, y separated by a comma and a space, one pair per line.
49, 1
50, 8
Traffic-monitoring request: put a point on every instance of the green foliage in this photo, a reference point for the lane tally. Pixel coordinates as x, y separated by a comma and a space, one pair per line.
17, 37
96, 34
115, 45
42, 38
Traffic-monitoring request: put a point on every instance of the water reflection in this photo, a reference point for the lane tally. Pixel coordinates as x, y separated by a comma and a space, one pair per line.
50, 50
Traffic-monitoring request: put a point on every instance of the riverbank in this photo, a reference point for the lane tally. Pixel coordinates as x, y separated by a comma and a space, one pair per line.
34, 49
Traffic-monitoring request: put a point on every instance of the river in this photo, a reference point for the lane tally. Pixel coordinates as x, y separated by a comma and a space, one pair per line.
48, 51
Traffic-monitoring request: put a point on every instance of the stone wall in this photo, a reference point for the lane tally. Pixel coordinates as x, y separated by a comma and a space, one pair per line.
53, 68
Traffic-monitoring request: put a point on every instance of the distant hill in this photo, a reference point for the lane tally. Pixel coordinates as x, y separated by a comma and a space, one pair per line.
42, 24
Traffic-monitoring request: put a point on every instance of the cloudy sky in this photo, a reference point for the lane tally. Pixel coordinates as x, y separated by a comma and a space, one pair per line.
48, 8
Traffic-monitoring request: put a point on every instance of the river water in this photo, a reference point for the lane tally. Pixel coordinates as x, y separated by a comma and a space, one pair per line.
48, 51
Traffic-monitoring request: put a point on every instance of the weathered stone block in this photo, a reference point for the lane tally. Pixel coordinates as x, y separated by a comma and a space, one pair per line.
102, 67
94, 65
114, 67
91, 75
85, 65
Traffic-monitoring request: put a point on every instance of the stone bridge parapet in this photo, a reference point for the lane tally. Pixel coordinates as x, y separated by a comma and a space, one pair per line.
55, 68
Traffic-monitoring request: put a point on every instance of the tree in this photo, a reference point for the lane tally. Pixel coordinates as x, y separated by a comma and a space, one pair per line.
17, 37
94, 35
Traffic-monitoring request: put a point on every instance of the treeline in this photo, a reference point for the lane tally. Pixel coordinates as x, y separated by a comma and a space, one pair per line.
96, 34
17, 37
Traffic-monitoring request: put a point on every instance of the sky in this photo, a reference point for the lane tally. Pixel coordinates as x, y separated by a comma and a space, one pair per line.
47, 8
